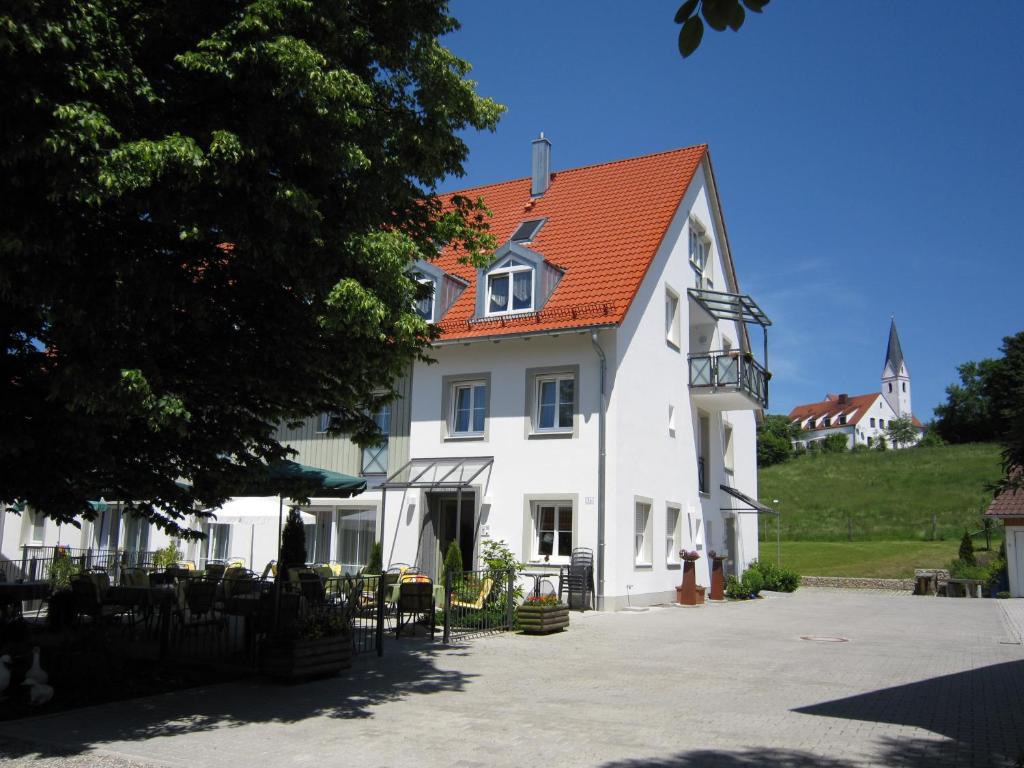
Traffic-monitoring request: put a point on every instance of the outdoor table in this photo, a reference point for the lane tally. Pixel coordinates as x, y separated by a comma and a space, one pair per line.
970, 587
537, 576
14, 593
391, 596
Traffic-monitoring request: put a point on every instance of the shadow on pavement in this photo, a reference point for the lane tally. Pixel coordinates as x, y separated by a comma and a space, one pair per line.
896, 753
353, 694
980, 710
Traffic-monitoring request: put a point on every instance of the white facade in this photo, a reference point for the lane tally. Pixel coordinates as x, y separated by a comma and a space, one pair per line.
652, 439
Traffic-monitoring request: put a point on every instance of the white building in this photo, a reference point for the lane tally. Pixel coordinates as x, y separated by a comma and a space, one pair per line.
594, 386
861, 419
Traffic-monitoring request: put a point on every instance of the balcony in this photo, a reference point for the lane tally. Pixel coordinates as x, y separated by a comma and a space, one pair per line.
723, 380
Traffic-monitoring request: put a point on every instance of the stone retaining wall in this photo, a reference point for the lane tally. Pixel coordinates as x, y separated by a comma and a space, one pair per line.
903, 585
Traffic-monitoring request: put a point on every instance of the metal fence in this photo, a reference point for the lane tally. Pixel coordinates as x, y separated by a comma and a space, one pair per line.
478, 603
36, 561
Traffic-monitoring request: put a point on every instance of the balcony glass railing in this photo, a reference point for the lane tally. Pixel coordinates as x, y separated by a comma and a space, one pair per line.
730, 370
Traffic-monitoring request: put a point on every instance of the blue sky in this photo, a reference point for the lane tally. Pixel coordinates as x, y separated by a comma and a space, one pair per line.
870, 157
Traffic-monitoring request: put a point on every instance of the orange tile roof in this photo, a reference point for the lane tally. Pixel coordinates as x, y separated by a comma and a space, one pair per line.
604, 225
860, 403
831, 406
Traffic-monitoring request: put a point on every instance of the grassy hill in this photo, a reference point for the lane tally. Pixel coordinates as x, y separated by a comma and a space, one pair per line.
882, 496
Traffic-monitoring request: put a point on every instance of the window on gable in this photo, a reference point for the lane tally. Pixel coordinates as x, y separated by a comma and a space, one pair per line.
827, 421
556, 403
872, 422
510, 288
700, 248
469, 409
526, 231
842, 418
672, 317
810, 423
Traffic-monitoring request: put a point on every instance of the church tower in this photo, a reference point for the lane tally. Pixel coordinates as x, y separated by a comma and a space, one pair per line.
896, 376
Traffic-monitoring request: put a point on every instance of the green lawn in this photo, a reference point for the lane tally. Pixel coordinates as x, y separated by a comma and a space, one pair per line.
882, 496
867, 559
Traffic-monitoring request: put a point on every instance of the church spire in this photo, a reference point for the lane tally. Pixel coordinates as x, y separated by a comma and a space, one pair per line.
894, 354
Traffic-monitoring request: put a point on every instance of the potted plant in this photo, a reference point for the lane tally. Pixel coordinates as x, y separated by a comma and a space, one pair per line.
689, 593
61, 610
542, 615
319, 643
717, 576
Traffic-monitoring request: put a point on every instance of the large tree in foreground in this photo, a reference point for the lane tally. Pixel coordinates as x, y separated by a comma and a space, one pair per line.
209, 210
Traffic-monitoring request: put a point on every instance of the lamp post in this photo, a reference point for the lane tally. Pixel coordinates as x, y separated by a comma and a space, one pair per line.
778, 532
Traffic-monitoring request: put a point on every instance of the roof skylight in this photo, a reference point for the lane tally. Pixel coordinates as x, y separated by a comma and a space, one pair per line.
526, 231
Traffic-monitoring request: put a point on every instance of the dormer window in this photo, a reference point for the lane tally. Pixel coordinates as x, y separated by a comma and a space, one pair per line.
510, 287
526, 231
425, 305
444, 290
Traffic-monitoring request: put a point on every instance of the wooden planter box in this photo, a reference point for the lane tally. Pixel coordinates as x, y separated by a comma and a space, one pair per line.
543, 619
298, 659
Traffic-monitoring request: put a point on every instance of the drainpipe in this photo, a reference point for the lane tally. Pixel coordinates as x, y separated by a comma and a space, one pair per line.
600, 473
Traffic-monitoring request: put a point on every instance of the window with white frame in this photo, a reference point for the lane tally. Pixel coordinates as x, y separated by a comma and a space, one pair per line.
37, 530
700, 249
642, 542
556, 403
375, 457
324, 423
357, 530
672, 317
510, 287
136, 534
425, 305
468, 409
671, 421
552, 525
727, 448
218, 541
673, 515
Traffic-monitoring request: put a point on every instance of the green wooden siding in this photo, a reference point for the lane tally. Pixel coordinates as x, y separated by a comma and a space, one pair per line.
337, 452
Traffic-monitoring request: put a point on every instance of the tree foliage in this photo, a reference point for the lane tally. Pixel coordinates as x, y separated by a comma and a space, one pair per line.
719, 15
293, 545
209, 214
775, 440
988, 405
966, 416
901, 431
835, 443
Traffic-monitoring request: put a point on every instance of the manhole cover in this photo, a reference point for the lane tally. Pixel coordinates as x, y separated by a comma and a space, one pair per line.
824, 639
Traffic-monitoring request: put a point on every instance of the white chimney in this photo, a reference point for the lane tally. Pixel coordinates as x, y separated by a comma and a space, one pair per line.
541, 166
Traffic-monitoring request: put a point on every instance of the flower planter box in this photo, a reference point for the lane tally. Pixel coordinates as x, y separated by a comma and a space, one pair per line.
543, 619
298, 659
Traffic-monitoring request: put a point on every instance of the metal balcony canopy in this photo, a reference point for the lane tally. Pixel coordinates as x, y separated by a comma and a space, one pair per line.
753, 505
448, 473
730, 306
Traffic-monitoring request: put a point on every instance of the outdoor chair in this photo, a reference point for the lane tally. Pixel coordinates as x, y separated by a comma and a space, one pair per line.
238, 581
415, 598
88, 603
576, 580
215, 571
269, 571
200, 596
135, 577
478, 602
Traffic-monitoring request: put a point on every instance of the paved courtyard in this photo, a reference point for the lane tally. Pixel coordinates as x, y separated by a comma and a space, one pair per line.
919, 682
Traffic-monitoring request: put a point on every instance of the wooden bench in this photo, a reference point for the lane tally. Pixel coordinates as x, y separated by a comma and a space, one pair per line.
963, 588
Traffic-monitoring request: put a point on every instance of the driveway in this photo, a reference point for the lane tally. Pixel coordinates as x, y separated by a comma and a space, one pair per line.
917, 682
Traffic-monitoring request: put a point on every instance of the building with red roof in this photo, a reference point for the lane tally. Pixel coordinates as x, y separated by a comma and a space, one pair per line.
861, 419
1008, 507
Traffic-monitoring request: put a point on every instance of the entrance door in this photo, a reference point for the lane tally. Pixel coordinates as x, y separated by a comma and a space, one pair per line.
444, 523
732, 562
